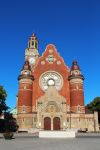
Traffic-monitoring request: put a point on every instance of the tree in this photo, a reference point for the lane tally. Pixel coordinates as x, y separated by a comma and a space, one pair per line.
10, 123
95, 106
3, 95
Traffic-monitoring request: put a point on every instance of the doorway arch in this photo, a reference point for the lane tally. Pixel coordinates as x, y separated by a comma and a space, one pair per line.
56, 123
47, 123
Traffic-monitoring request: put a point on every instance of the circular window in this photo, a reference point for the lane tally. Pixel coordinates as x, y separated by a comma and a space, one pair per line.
50, 78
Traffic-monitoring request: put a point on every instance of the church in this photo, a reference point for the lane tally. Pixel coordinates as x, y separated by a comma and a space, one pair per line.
51, 94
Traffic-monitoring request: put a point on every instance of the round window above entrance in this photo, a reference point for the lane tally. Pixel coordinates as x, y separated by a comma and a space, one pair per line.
51, 78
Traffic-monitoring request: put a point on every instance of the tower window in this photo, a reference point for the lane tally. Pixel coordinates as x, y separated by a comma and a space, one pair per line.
24, 109
32, 43
29, 44
24, 87
77, 87
35, 44
78, 108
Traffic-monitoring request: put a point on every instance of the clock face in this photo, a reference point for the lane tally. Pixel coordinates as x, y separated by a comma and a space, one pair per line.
50, 78
32, 60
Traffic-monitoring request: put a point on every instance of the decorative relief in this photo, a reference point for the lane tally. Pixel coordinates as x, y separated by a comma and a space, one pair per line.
76, 80
42, 62
51, 104
58, 62
51, 109
24, 109
29, 81
50, 59
30, 52
50, 51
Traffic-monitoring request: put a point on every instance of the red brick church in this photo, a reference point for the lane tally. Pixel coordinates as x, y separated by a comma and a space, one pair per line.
50, 94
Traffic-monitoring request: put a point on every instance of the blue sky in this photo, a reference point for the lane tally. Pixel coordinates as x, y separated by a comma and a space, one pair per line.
72, 25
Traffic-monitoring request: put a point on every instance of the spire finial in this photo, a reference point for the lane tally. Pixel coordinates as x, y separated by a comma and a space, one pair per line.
75, 66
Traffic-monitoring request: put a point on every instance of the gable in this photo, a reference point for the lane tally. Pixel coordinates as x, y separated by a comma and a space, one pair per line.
51, 60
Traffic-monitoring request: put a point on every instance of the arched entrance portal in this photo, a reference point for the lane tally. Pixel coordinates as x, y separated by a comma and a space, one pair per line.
56, 123
47, 123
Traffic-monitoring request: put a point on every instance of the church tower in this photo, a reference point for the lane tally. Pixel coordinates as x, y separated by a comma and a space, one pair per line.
76, 89
31, 53
24, 106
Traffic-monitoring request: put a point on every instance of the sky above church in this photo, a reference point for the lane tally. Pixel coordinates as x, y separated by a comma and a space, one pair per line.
72, 25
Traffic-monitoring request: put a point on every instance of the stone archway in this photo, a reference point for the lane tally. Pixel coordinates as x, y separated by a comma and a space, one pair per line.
47, 123
56, 123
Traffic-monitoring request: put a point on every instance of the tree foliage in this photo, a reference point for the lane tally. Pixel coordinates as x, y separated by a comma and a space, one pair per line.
10, 122
3, 95
94, 106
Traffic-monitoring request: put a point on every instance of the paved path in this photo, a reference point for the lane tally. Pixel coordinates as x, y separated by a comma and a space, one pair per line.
28, 142
50, 144
90, 135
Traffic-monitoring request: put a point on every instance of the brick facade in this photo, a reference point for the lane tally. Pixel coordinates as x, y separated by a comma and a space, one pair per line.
48, 88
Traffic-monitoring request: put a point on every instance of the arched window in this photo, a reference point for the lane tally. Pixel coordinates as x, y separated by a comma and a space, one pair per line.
32, 43
78, 108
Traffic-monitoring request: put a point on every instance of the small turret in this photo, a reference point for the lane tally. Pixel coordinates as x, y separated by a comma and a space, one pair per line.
76, 88
75, 66
25, 95
75, 71
26, 72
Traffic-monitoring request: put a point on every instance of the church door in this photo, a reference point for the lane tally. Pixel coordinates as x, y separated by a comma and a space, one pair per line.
56, 123
47, 123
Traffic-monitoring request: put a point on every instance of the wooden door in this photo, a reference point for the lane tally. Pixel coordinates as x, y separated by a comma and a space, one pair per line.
56, 123
47, 123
